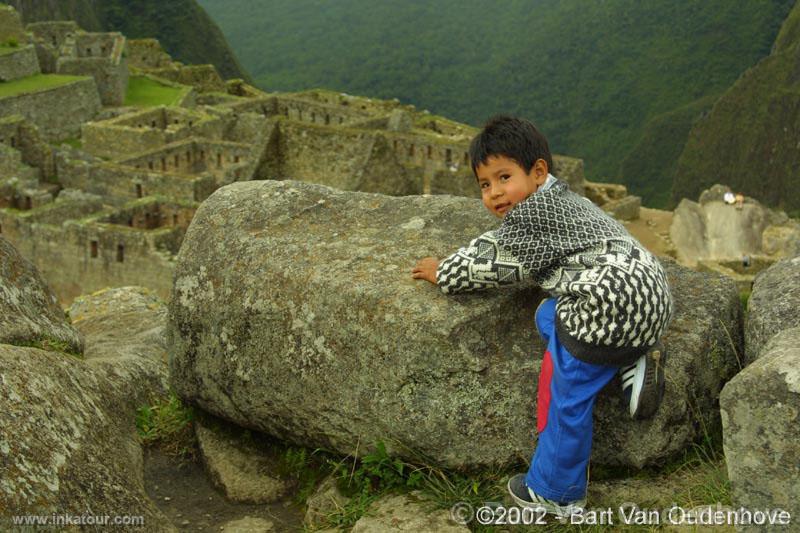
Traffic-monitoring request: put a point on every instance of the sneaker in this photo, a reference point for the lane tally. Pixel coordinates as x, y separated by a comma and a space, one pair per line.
525, 497
643, 383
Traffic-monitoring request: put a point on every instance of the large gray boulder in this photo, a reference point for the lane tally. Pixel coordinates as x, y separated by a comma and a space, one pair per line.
68, 442
294, 313
29, 310
773, 305
761, 429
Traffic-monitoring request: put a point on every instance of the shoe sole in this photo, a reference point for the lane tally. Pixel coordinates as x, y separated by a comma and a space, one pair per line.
649, 385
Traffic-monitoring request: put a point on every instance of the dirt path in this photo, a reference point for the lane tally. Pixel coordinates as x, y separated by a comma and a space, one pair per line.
185, 495
652, 230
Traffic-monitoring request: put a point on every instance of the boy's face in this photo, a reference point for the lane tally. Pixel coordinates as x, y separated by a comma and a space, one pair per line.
504, 183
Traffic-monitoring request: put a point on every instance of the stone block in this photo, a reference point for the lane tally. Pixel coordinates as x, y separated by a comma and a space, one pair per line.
626, 208
761, 430
773, 305
294, 313
19, 63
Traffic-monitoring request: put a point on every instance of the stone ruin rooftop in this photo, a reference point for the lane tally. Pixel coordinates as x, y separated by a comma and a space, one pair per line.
97, 188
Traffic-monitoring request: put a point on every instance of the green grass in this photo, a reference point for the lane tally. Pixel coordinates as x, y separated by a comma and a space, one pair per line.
35, 83
146, 92
168, 424
50, 345
5, 49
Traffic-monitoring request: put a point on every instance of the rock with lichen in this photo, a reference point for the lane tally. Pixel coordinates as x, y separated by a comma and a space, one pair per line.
29, 310
294, 313
68, 443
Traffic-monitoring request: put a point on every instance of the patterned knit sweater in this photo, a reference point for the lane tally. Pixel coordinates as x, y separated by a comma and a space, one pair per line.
613, 299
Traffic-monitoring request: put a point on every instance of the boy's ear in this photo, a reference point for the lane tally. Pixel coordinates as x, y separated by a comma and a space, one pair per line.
539, 171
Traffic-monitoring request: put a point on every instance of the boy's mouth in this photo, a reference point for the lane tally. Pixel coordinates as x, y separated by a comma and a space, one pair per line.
502, 208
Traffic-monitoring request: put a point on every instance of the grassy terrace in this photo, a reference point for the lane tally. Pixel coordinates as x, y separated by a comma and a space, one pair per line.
5, 49
146, 92
35, 83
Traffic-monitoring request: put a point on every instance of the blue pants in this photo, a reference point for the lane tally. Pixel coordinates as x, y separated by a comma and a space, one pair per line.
565, 400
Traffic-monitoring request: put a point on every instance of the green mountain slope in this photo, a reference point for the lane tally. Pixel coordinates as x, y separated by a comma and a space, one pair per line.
184, 29
650, 166
589, 73
750, 140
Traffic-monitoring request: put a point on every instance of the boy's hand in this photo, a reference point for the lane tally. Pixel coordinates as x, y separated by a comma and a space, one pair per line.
426, 269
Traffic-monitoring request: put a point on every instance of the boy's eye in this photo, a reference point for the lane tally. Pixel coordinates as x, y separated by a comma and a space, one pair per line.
484, 185
504, 177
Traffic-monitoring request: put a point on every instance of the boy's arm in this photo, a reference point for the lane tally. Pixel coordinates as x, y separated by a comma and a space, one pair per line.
480, 265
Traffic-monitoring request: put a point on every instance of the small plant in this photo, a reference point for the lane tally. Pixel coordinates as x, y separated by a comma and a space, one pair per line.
50, 345
12, 42
168, 424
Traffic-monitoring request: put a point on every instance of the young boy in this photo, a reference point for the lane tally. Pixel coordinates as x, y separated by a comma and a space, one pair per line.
610, 302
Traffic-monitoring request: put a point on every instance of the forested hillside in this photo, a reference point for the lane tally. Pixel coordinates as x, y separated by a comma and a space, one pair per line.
590, 73
751, 137
184, 29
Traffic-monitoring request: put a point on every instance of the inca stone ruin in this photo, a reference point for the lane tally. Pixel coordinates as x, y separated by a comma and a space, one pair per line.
98, 193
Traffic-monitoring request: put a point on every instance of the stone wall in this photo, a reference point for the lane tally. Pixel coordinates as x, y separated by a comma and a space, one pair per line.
111, 78
221, 159
10, 25
19, 63
53, 33
204, 78
118, 183
147, 130
330, 156
57, 112
24, 138
87, 255
147, 54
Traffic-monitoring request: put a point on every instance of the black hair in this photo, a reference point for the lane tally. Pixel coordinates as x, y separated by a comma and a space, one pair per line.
515, 138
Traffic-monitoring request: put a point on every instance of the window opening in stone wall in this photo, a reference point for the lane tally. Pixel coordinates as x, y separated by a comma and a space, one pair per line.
191, 123
202, 155
411, 150
153, 124
94, 249
88, 51
138, 190
163, 163
177, 161
466, 158
54, 41
174, 219
188, 157
1, 228
103, 50
394, 145
150, 165
300, 114
28, 202
219, 160
313, 117
120, 253
13, 142
430, 151
327, 119
341, 120
175, 121
236, 159
448, 156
